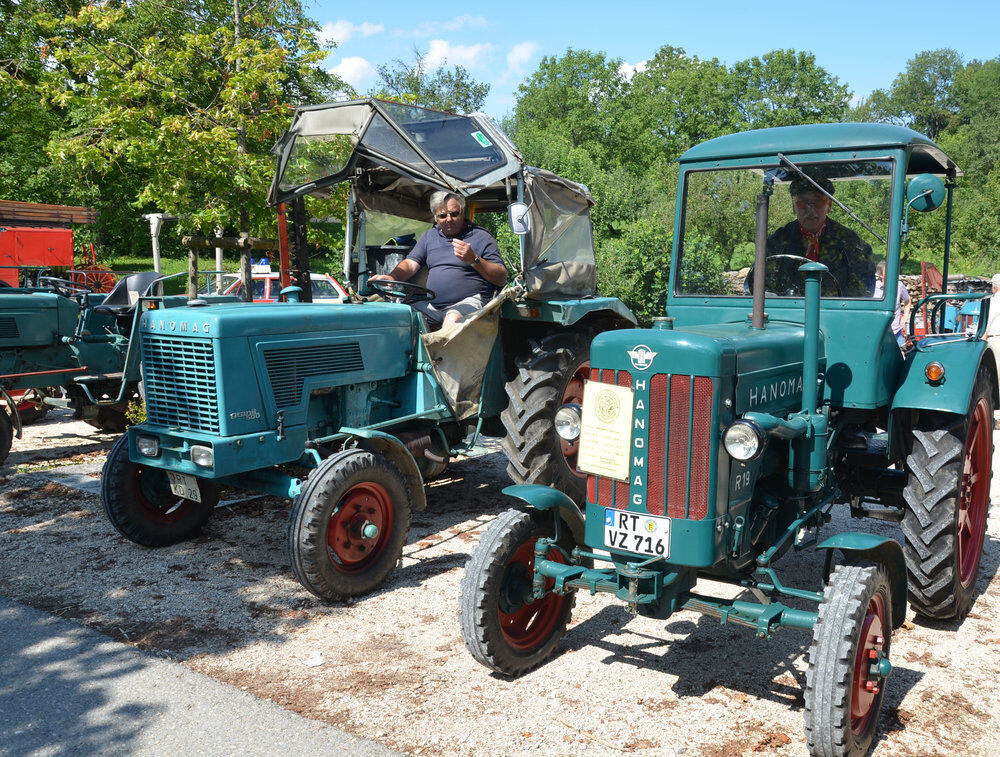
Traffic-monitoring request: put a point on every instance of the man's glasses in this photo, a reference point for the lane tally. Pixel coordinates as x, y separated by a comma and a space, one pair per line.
802, 204
455, 214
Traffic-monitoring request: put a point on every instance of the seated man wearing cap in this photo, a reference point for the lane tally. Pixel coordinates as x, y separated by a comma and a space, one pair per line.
465, 268
815, 236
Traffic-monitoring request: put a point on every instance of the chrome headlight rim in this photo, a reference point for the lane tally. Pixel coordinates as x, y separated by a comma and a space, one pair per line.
754, 431
568, 422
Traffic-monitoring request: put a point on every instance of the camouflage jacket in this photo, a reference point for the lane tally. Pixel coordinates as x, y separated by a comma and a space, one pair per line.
849, 259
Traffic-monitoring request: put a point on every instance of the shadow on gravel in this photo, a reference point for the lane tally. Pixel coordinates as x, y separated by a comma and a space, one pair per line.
60, 705
25, 456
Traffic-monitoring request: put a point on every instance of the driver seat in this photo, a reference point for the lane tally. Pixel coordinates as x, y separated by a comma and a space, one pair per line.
123, 298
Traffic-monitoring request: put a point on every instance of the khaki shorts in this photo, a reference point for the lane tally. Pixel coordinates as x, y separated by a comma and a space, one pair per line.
465, 308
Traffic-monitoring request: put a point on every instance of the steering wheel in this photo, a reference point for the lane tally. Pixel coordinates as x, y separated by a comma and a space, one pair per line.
402, 291
784, 268
63, 286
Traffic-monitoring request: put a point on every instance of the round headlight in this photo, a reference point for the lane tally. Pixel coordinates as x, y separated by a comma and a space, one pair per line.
744, 440
568, 422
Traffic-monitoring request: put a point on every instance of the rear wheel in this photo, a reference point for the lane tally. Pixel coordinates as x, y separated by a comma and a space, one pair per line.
947, 501
848, 661
348, 525
505, 628
140, 505
6, 434
551, 376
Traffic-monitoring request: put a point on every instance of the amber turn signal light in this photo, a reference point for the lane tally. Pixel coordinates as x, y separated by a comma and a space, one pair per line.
934, 372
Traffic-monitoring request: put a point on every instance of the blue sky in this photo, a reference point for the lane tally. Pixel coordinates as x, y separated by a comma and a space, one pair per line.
864, 44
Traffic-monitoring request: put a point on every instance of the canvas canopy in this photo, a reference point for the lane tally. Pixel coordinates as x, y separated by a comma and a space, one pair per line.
397, 155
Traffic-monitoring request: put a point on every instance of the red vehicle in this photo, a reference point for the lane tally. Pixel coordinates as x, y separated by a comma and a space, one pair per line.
267, 285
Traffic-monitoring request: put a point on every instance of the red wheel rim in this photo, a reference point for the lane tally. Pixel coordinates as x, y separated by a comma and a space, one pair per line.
155, 500
574, 394
974, 495
871, 647
349, 539
530, 625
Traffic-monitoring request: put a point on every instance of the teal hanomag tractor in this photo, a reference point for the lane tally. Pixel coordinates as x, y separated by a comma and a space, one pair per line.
346, 409
720, 439
68, 346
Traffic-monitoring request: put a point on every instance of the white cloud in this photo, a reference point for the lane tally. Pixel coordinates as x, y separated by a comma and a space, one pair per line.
628, 71
519, 56
342, 31
354, 70
442, 52
429, 28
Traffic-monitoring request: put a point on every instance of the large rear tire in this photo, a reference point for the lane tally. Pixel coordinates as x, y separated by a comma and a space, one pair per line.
947, 502
848, 661
504, 627
348, 525
551, 375
6, 434
138, 501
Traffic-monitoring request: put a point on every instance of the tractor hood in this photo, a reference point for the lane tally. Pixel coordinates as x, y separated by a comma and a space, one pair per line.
765, 363
266, 319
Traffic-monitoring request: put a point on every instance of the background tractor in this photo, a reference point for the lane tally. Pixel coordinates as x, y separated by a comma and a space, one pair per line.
347, 409
720, 439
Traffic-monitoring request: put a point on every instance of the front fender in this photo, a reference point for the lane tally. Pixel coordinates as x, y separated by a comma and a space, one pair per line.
396, 451
961, 358
880, 549
546, 498
569, 312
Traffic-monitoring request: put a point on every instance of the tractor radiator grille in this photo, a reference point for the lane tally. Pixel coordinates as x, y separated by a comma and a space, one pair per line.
8, 328
179, 378
288, 367
678, 454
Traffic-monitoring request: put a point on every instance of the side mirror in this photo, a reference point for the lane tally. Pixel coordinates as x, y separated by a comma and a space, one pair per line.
518, 218
925, 192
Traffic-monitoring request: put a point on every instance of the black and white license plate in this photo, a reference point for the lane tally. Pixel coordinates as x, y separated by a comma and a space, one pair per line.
183, 485
636, 532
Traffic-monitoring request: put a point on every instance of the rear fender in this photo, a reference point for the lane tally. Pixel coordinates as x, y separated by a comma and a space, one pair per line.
545, 498
879, 549
396, 451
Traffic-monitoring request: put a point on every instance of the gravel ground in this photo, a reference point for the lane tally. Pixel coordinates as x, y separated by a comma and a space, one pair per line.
392, 666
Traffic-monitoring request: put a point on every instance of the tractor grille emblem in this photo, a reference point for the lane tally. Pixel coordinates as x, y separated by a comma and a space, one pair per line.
641, 357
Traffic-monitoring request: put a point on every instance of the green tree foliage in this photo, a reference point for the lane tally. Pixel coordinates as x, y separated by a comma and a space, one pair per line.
174, 106
784, 88
922, 96
449, 89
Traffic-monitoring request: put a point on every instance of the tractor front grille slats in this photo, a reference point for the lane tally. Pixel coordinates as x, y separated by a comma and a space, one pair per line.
180, 382
288, 367
8, 328
678, 459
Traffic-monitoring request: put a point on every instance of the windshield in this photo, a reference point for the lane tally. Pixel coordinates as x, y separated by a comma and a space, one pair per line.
717, 244
455, 143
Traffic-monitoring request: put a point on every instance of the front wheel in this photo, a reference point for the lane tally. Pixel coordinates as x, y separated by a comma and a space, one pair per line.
6, 434
549, 377
848, 661
947, 501
504, 626
140, 505
348, 525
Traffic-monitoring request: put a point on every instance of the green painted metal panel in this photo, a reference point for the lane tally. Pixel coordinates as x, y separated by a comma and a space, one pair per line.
565, 312
859, 546
961, 358
816, 138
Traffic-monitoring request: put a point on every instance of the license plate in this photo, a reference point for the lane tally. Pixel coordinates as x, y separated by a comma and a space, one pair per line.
638, 533
183, 485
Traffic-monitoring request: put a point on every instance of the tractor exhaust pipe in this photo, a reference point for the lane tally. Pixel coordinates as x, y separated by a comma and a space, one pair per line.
760, 252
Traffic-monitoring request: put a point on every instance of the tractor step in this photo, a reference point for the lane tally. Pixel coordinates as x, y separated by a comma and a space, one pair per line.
94, 378
868, 509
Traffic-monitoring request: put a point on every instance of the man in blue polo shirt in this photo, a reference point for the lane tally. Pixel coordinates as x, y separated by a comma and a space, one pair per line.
465, 268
